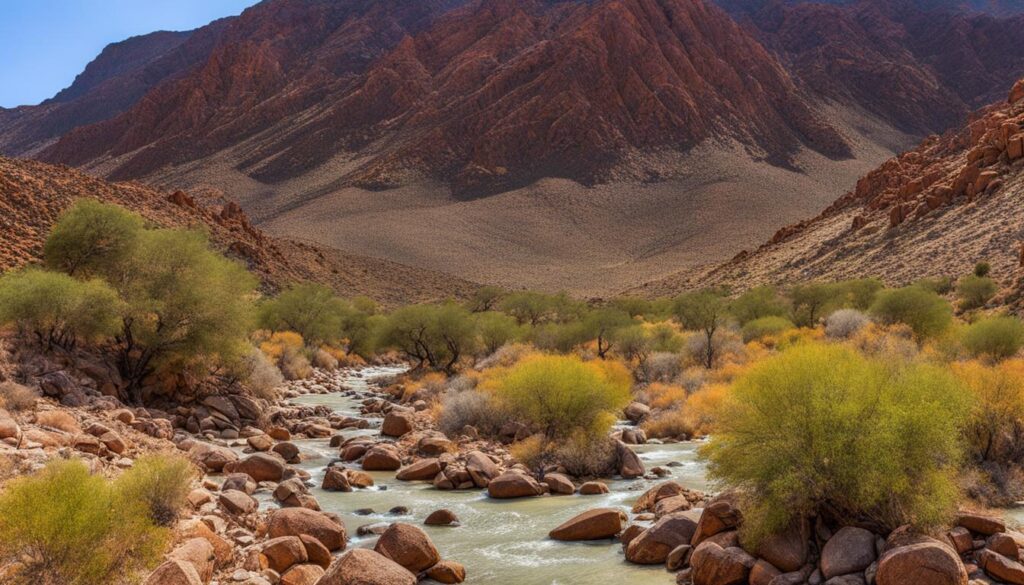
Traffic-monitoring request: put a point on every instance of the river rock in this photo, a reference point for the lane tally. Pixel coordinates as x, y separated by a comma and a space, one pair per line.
714, 565
593, 488
850, 550
442, 518
316, 552
260, 442
923, 563
335, 480
721, 514
239, 481
292, 493
434, 446
288, 451
787, 551
397, 424
362, 566
481, 469
513, 485
630, 466
359, 479
651, 497
305, 574
259, 466
1004, 544
382, 458
559, 484
980, 523
237, 502
1001, 567
652, 546
594, 524
299, 521
408, 546
636, 412
763, 573
212, 457
671, 506
447, 572
174, 572
283, 552
199, 553
422, 470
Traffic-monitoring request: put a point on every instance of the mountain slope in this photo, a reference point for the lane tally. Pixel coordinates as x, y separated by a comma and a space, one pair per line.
33, 194
933, 211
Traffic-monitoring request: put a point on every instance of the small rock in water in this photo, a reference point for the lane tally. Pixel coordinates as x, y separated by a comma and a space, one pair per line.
377, 528
399, 511
673, 464
363, 512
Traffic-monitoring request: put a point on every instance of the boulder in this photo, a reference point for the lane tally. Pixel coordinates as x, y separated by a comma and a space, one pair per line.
239, 481
763, 572
408, 546
212, 457
288, 451
397, 424
850, 550
299, 521
513, 485
259, 466
679, 557
422, 470
671, 506
559, 484
923, 563
316, 552
1004, 544
980, 523
336, 480
652, 546
307, 574
447, 572
236, 502
174, 572
442, 518
292, 493
594, 524
636, 412
283, 552
434, 446
481, 469
381, 458
362, 566
714, 565
593, 488
630, 466
787, 551
359, 479
260, 442
961, 539
1001, 567
651, 497
199, 553
222, 549
721, 514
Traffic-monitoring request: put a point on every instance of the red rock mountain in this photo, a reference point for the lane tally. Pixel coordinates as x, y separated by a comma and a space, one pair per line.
933, 211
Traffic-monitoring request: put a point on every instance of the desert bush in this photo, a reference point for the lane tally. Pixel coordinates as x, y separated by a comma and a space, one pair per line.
531, 452
495, 330
583, 455
702, 408
844, 323
927, 314
706, 312
58, 310
294, 365
485, 299
982, 269
893, 342
260, 375
281, 342
70, 527
558, 337
758, 303
665, 338
660, 367
996, 338
724, 342
161, 482
975, 291
663, 396
995, 427
885, 436
562, 394
311, 310
93, 239
692, 379
15, 397
942, 285
764, 327
473, 408
857, 294
324, 360
633, 343
812, 301
506, 355
671, 424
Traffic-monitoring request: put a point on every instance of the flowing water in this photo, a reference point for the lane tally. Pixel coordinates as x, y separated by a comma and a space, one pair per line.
499, 541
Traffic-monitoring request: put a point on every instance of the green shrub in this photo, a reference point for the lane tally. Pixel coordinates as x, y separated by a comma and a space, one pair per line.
925, 312
73, 528
813, 301
665, 338
160, 482
527, 307
633, 343
757, 303
765, 327
93, 239
975, 291
821, 428
562, 394
559, 337
601, 326
859, 293
997, 338
942, 285
982, 269
496, 329
485, 299
311, 310
57, 309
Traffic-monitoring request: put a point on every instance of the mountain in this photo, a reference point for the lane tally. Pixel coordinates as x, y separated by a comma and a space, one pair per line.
933, 211
33, 195
558, 144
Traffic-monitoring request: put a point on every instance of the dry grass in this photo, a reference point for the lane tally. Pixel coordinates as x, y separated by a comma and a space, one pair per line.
15, 397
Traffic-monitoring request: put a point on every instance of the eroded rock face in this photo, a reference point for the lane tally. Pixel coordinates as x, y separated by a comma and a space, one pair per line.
594, 524
924, 563
366, 567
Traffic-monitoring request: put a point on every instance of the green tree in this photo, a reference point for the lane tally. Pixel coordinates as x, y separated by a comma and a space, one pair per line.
527, 307
437, 336
563, 394
601, 325
703, 311
997, 338
633, 343
485, 299
812, 301
858, 294
762, 301
58, 310
93, 239
496, 329
820, 428
975, 291
311, 310
927, 314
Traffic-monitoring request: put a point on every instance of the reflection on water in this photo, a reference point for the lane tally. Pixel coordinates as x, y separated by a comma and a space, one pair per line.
499, 542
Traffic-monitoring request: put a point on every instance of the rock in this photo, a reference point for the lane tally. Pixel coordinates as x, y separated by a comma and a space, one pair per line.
653, 545
336, 481
787, 551
361, 566
671, 506
238, 503
299, 521
259, 466
763, 572
381, 458
434, 446
260, 442
594, 524
442, 518
359, 479
593, 488
212, 457
1001, 567
630, 534
481, 469
961, 539
720, 515
222, 550
239, 481
1004, 544
846, 580
288, 451
199, 553
1017, 93
408, 546
199, 497
422, 470
279, 434
292, 493
714, 565
316, 552
630, 466
651, 497
377, 528
397, 424
850, 550
174, 572
283, 552
9, 429
307, 574
513, 485
447, 572
679, 557
636, 412
980, 524
923, 563
559, 484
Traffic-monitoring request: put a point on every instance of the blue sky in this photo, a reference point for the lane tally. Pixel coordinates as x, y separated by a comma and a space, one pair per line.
45, 43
